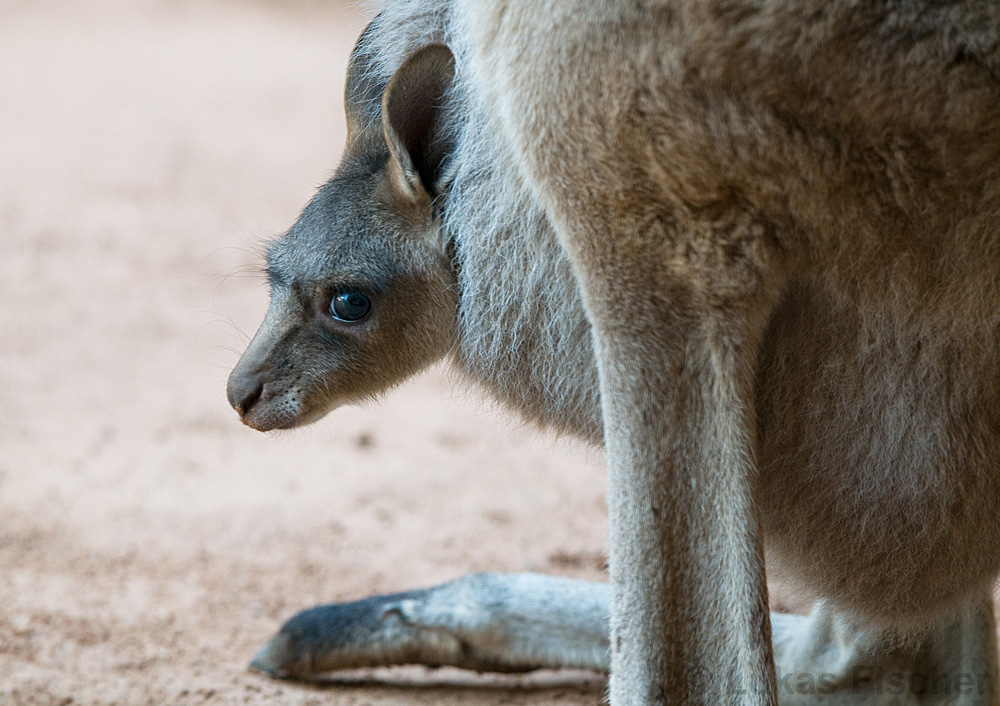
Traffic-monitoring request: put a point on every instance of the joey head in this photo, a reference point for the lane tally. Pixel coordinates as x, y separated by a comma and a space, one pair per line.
362, 288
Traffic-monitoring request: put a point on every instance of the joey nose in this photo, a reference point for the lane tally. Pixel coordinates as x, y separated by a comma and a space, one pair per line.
243, 390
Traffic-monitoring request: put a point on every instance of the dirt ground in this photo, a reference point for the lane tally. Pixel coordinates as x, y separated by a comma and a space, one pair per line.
148, 542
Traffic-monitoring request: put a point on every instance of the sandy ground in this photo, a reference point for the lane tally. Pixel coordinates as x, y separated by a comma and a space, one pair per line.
148, 542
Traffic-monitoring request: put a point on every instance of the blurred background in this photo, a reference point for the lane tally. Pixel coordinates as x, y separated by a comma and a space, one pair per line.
148, 542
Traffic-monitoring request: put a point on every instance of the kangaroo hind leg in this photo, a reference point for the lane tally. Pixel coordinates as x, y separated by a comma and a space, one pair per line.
832, 659
486, 622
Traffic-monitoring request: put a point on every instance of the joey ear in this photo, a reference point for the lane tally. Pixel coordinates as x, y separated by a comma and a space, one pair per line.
364, 85
412, 119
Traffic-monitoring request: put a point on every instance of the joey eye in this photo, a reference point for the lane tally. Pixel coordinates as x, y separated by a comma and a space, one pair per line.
349, 305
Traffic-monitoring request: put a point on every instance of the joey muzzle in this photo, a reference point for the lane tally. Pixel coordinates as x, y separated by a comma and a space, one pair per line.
243, 390
262, 391
264, 403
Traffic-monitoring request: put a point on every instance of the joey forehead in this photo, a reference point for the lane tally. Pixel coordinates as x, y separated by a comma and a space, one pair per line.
337, 238
298, 262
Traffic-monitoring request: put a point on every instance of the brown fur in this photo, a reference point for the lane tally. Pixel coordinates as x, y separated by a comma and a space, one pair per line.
751, 247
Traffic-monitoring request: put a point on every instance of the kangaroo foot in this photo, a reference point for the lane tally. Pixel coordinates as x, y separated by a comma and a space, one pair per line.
486, 622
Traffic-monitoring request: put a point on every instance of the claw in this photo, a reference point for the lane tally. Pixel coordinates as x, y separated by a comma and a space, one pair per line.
264, 662
338, 636
280, 658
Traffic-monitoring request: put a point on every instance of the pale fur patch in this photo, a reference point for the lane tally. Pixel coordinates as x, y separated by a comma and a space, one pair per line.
523, 333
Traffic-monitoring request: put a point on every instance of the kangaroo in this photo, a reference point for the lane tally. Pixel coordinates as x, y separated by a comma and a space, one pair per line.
751, 248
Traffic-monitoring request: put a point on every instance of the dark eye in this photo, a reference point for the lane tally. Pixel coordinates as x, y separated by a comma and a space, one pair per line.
350, 305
